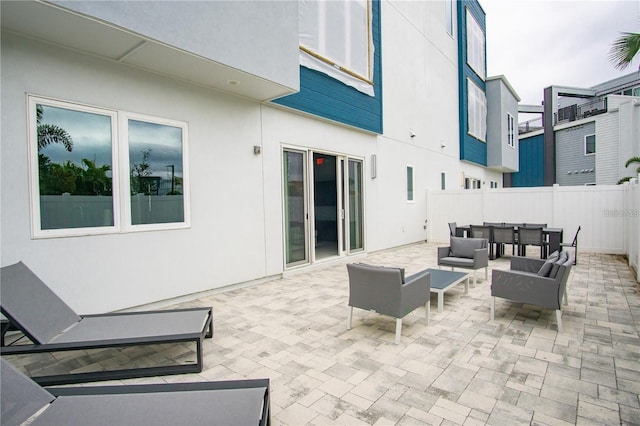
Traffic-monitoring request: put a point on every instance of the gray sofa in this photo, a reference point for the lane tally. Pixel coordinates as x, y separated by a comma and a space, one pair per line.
386, 291
535, 282
468, 253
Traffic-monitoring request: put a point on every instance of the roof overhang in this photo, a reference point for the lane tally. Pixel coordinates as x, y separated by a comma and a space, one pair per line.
56, 25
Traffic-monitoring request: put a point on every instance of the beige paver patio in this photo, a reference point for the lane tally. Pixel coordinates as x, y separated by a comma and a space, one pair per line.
462, 369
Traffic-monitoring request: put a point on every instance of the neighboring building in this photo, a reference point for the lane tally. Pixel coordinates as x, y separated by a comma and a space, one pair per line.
586, 137
502, 126
209, 143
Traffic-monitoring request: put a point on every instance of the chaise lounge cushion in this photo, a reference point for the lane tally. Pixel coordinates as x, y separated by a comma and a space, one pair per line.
465, 247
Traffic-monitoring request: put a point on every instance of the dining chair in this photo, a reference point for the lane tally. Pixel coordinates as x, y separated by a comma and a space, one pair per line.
573, 244
481, 231
528, 236
504, 235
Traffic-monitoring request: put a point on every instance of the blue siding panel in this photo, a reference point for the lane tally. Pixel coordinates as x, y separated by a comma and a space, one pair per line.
326, 97
531, 159
471, 149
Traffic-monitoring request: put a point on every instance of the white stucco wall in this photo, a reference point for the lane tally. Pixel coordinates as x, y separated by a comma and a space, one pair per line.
226, 242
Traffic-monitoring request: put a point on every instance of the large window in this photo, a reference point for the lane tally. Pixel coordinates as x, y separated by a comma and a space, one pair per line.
589, 144
95, 170
476, 111
475, 46
335, 38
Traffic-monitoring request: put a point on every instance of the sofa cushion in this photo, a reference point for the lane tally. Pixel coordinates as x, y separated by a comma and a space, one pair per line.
547, 266
385, 267
561, 260
465, 247
460, 262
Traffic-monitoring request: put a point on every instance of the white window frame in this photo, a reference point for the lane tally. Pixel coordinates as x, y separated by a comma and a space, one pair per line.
315, 42
475, 46
119, 170
411, 191
476, 111
511, 131
595, 145
448, 16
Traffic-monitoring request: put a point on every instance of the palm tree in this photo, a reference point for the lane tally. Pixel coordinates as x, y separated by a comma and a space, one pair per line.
627, 164
624, 49
50, 133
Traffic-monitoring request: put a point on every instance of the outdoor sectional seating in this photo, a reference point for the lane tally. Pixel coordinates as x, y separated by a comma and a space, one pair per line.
386, 291
234, 402
468, 253
51, 326
535, 282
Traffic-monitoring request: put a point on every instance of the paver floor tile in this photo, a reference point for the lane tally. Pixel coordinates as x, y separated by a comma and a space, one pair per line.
461, 369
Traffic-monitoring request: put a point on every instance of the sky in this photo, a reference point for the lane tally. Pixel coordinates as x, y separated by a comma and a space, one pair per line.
539, 43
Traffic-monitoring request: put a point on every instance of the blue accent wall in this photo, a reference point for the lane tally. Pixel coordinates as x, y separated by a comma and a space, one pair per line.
471, 149
531, 169
326, 97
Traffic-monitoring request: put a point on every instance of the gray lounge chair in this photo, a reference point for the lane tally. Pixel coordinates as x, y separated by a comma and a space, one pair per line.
468, 253
534, 282
386, 291
237, 402
52, 326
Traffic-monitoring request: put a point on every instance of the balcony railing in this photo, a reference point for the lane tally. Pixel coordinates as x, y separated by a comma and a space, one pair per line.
530, 126
578, 112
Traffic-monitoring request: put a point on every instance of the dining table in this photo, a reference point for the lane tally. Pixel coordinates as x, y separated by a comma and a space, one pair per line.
552, 235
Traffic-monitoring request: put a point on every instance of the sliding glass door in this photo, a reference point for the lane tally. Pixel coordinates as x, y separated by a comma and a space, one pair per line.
323, 206
355, 206
295, 208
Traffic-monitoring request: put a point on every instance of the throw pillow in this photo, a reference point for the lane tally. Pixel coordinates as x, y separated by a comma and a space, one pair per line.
562, 259
545, 269
465, 247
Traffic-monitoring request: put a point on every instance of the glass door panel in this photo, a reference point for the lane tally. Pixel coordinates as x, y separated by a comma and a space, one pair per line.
295, 226
356, 206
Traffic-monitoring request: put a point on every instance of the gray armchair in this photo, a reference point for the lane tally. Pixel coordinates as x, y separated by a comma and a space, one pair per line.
535, 282
386, 291
469, 253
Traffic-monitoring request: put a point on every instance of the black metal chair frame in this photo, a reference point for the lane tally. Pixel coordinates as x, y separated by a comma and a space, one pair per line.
21, 289
573, 244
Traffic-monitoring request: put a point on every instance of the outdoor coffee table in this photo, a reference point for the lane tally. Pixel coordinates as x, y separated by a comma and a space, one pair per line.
442, 281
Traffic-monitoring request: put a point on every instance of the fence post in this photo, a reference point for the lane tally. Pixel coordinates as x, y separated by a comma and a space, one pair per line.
555, 189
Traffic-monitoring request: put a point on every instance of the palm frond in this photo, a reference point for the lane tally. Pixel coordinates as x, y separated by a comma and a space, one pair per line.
624, 49
631, 161
48, 134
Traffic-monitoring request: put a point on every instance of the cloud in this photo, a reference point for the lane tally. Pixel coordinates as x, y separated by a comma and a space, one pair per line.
536, 44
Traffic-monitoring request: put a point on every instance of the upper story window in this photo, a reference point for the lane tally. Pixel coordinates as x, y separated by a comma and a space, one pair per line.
448, 12
336, 39
96, 171
511, 132
589, 144
476, 111
475, 46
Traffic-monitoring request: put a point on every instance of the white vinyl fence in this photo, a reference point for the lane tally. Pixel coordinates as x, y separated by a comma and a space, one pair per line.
608, 214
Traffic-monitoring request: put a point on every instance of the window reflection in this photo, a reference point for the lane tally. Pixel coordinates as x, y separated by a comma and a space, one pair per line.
74, 168
156, 173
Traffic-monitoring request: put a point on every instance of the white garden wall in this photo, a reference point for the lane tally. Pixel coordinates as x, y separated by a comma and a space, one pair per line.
608, 214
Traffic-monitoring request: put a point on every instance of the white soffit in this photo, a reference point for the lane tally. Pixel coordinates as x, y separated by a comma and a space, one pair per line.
52, 24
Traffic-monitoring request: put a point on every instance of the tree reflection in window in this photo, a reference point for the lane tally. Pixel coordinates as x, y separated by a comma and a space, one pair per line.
74, 167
